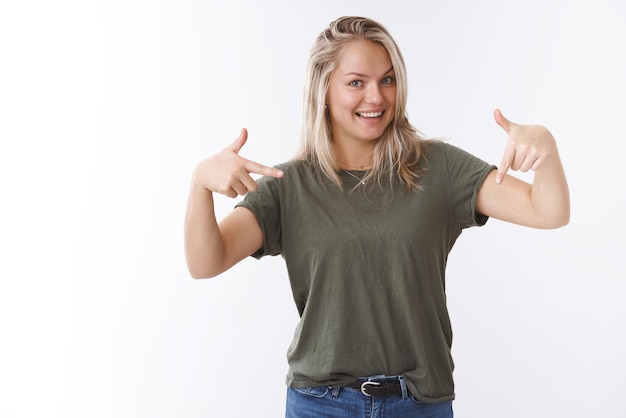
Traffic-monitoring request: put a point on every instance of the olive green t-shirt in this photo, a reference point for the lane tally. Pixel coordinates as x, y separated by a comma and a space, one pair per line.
367, 268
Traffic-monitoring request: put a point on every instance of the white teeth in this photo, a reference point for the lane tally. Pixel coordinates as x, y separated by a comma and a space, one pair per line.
370, 114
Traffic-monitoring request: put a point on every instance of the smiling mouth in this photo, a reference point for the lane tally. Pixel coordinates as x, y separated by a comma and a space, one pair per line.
369, 115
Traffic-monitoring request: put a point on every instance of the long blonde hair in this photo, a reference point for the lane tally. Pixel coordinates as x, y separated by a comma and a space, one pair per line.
398, 151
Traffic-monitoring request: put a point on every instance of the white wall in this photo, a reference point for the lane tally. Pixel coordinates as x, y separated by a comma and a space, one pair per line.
106, 107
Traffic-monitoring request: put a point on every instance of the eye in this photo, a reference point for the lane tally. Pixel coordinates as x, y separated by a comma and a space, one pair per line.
356, 83
387, 80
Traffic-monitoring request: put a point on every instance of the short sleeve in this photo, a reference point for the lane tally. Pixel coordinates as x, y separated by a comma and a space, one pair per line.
466, 174
264, 203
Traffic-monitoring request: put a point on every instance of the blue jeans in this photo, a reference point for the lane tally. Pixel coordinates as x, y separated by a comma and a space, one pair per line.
327, 402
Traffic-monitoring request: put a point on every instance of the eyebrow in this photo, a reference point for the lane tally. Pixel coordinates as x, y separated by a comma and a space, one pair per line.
365, 75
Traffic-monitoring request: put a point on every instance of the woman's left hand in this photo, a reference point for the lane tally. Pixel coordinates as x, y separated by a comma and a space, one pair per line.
527, 148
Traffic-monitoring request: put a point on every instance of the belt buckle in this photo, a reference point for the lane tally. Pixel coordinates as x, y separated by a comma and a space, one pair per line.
364, 387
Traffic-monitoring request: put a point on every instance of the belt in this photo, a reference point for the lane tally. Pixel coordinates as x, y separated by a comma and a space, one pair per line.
377, 389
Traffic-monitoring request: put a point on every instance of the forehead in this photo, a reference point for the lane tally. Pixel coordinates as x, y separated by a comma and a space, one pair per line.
363, 57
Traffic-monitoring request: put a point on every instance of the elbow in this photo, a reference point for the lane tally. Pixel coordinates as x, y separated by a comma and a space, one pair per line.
556, 225
203, 272
199, 276
564, 221
200, 266
564, 218
559, 221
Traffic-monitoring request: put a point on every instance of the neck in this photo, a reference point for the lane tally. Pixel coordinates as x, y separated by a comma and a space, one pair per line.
354, 159
349, 167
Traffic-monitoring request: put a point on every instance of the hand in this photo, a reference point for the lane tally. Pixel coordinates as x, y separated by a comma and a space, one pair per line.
527, 148
228, 173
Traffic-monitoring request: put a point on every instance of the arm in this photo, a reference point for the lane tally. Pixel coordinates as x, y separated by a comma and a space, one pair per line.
211, 247
544, 203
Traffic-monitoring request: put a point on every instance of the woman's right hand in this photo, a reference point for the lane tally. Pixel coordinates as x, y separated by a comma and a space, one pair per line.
228, 173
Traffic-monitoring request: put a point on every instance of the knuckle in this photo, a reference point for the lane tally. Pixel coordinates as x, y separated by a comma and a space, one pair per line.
234, 172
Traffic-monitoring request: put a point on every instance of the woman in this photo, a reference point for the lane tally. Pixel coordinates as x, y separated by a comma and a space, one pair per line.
365, 216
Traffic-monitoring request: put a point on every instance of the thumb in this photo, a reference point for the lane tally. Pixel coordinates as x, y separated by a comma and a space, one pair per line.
503, 122
239, 142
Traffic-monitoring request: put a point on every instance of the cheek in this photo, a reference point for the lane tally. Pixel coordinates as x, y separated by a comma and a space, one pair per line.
340, 99
342, 109
391, 99
345, 101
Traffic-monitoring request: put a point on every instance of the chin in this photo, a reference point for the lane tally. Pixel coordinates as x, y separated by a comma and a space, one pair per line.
374, 135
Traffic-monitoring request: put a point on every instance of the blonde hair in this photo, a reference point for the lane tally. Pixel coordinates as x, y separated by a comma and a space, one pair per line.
398, 151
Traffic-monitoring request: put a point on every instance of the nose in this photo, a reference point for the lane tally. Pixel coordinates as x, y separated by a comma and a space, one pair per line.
373, 94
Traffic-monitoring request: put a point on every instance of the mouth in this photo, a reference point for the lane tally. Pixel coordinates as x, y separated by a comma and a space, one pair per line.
370, 115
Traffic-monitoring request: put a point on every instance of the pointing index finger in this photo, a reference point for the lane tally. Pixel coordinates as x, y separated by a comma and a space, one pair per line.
505, 164
256, 168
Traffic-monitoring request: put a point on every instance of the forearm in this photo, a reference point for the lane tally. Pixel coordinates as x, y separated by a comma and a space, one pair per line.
212, 248
204, 247
550, 193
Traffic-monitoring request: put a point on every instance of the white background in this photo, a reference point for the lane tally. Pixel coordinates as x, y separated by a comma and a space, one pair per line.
106, 108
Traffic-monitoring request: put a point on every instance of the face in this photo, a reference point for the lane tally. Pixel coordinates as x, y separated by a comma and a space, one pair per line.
361, 96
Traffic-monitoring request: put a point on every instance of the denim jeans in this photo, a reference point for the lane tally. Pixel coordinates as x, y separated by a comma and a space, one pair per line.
327, 402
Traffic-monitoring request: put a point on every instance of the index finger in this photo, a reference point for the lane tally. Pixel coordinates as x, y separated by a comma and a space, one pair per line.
256, 168
505, 164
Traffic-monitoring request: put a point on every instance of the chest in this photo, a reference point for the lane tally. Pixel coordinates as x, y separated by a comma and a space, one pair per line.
356, 222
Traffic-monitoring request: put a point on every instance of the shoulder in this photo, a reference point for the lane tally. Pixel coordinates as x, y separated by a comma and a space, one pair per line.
295, 166
440, 147
438, 151
295, 172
